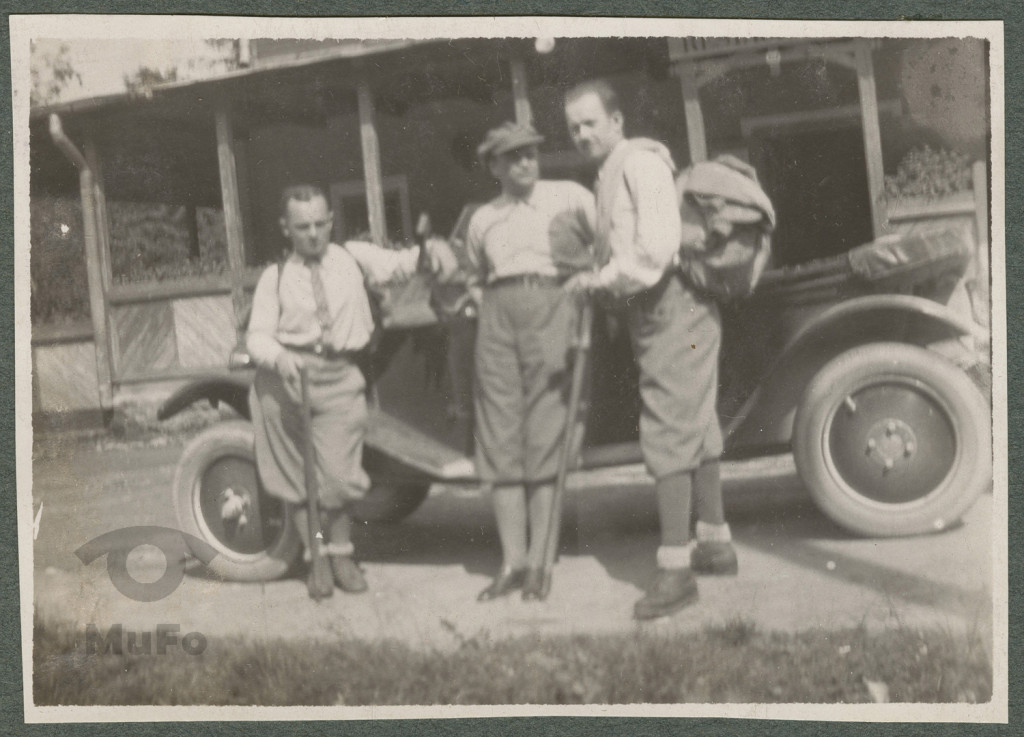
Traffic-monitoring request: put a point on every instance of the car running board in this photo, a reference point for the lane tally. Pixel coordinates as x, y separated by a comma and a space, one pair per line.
411, 447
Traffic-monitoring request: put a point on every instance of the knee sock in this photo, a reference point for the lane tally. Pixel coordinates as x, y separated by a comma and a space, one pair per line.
673, 493
707, 493
338, 525
538, 502
510, 514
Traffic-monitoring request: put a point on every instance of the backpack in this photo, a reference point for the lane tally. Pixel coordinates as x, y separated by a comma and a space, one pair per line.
727, 225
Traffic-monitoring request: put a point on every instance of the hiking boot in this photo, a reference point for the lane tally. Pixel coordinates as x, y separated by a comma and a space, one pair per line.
673, 589
714, 559
505, 582
347, 574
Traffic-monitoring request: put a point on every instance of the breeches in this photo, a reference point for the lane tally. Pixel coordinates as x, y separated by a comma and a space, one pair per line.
676, 338
523, 349
338, 400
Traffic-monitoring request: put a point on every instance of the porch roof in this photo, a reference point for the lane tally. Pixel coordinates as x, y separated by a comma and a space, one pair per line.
355, 49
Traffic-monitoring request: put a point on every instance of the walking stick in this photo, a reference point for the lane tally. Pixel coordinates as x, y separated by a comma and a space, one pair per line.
320, 583
582, 350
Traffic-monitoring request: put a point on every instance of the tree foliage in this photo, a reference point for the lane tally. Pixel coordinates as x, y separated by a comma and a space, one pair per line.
51, 72
221, 56
144, 79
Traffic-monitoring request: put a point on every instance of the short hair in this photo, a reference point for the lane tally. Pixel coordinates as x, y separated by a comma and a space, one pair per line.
605, 92
300, 193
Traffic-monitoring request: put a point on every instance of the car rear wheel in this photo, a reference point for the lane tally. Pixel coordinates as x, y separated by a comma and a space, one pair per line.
892, 439
218, 499
386, 503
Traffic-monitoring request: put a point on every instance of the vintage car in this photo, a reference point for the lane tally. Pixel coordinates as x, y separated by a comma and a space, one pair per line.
854, 363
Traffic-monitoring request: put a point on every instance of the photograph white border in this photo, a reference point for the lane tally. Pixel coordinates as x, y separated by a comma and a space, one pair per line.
25, 27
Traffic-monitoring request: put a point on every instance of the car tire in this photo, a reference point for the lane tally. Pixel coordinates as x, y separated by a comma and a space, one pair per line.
892, 439
388, 503
219, 458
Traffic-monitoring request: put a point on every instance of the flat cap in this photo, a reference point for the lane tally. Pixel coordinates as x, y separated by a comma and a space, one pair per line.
507, 137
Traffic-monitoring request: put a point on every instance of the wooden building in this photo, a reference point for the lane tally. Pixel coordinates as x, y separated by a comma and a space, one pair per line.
389, 129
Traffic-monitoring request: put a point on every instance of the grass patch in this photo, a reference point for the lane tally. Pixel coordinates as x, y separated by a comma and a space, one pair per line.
729, 663
133, 425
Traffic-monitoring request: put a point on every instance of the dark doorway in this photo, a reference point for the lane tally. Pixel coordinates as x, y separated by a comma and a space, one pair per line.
817, 180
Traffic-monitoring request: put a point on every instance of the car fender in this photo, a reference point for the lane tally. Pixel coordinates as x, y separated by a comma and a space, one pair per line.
766, 418
215, 389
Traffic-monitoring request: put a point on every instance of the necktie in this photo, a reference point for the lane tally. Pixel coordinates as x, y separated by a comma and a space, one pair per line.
323, 311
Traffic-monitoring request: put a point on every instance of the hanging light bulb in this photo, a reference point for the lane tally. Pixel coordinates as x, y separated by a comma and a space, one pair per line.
544, 45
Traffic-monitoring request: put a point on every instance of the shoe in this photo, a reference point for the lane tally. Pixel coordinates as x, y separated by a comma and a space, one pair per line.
714, 559
347, 574
673, 589
537, 585
503, 583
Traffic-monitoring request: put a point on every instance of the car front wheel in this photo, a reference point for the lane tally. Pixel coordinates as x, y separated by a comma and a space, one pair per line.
892, 439
218, 498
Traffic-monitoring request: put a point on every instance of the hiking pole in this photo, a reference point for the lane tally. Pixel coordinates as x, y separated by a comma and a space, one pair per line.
320, 583
422, 233
580, 354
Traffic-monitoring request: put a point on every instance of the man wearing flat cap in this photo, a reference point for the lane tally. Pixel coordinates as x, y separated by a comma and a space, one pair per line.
522, 246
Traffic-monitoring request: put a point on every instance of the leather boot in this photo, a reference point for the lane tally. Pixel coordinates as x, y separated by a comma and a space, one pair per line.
672, 590
347, 574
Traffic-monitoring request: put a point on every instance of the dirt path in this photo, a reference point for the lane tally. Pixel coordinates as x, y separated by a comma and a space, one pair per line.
797, 570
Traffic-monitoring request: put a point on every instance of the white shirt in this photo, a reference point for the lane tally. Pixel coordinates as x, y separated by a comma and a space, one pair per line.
645, 224
284, 314
546, 233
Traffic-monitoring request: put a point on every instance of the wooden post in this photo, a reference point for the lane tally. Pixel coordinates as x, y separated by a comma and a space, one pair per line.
102, 343
520, 91
92, 155
230, 201
97, 299
872, 135
243, 176
371, 164
981, 293
696, 137
97, 296
979, 183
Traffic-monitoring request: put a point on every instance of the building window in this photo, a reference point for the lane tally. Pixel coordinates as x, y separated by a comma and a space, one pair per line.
351, 215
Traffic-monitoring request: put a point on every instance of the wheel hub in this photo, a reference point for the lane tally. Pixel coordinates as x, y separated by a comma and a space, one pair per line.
891, 442
235, 506
237, 515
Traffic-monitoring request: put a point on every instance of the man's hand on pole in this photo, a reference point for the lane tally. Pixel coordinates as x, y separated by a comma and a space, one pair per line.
289, 365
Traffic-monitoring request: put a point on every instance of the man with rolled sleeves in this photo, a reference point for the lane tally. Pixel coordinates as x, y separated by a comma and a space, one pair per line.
522, 245
313, 310
676, 335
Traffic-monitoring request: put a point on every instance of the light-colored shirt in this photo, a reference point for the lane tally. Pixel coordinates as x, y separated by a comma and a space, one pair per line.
284, 314
645, 226
546, 233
